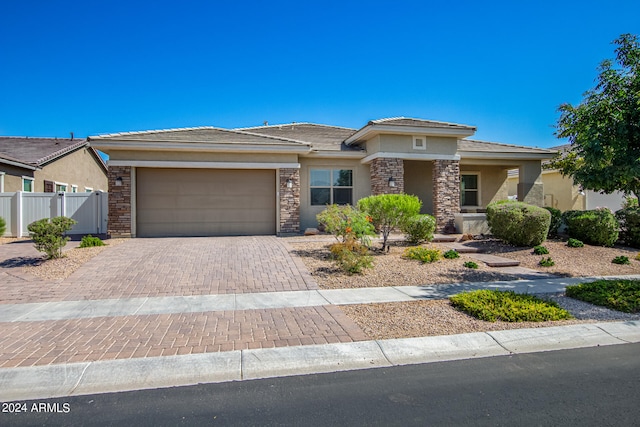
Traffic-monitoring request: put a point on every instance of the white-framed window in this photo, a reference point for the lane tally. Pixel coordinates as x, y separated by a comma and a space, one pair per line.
331, 186
61, 187
74, 188
419, 143
88, 190
470, 189
27, 184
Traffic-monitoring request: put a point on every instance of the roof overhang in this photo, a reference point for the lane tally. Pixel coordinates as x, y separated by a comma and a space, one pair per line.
409, 156
18, 164
203, 165
371, 130
491, 155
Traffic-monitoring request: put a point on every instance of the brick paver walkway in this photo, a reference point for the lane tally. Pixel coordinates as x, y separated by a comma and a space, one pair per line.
165, 267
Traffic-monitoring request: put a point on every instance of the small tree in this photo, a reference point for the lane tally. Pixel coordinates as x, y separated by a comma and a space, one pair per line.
48, 235
604, 129
346, 223
389, 212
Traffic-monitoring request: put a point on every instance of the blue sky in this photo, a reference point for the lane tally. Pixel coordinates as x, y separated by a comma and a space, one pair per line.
109, 66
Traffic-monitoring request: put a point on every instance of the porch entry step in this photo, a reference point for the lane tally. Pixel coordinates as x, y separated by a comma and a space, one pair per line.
443, 238
496, 261
463, 249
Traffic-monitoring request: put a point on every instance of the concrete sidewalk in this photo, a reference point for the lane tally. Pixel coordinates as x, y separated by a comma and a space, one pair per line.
307, 311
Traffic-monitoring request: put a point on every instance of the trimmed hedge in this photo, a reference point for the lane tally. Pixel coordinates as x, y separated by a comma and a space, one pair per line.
597, 227
556, 221
518, 223
629, 221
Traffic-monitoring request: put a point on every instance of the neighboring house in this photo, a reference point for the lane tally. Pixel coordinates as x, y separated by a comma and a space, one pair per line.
561, 193
276, 179
50, 165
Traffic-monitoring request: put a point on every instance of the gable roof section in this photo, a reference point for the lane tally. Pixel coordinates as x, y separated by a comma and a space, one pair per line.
321, 137
37, 152
420, 123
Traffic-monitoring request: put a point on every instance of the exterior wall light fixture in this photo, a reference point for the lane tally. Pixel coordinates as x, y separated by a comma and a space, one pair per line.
119, 181
392, 182
289, 183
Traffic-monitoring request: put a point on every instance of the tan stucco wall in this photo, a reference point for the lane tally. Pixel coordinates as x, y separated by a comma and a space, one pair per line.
13, 177
404, 144
559, 191
79, 168
418, 181
361, 185
185, 156
493, 182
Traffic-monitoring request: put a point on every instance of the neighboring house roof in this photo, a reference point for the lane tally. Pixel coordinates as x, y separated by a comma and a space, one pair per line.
37, 152
196, 135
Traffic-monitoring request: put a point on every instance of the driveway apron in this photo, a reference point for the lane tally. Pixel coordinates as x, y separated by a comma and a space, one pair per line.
148, 268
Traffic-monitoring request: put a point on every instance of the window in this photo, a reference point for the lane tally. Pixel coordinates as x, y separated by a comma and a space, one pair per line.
88, 190
419, 143
329, 186
27, 184
61, 188
74, 188
469, 190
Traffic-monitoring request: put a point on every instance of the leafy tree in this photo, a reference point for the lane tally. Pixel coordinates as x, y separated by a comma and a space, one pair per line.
389, 211
604, 130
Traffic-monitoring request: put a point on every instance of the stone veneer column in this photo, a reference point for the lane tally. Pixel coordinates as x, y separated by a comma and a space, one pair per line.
119, 202
381, 170
446, 192
289, 201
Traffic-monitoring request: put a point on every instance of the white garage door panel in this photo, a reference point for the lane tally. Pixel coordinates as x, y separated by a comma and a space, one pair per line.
205, 202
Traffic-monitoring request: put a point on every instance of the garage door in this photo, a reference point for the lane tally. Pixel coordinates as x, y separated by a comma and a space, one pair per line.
205, 202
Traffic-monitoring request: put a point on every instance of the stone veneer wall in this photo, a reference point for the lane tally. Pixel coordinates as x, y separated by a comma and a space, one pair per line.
119, 202
381, 170
446, 192
289, 201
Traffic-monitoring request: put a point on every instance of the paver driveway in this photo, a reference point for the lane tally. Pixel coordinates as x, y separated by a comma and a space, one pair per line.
173, 266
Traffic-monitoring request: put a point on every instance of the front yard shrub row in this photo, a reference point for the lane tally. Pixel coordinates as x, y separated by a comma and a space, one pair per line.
629, 220
597, 227
507, 306
556, 221
424, 255
518, 223
419, 228
621, 295
49, 235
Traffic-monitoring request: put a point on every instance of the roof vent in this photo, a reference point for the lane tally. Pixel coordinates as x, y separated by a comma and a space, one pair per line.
265, 123
71, 133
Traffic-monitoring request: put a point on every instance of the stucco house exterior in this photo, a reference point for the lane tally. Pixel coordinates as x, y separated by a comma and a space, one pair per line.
561, 193
50, 165
274, 179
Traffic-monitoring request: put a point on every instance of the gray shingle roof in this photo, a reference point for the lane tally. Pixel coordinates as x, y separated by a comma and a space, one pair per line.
37, 151
406, 121
321, 137
205, 134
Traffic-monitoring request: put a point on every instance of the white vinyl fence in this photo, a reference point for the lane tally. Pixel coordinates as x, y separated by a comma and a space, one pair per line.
20, 209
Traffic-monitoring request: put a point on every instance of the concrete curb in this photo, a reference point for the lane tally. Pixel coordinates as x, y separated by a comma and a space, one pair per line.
42, 382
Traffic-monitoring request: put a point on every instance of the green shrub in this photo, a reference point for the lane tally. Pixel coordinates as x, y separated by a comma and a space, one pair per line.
597, 227
346, 223
518, 223
622, 260
470, 264
419, 228
574, 243
630, 202
540, 250
638, 257
351, 256
451, 254
556, 221
389, 211
48, 235
507, 306
629, 221
89, 241
3, 226
421, 254
547, 262
621, 295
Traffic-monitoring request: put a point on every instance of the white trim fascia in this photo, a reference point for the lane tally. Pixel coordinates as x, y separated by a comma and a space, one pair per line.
202, 146
409, 156
335, 154
508, 156
202, 165
18, 164
373, 130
